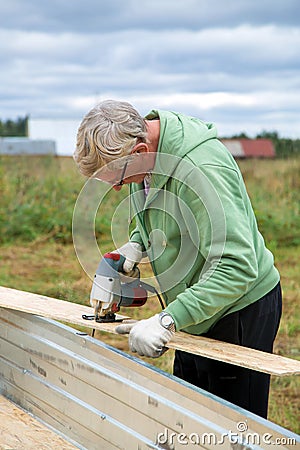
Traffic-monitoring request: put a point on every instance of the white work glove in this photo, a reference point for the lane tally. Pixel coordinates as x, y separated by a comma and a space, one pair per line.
147, 337
132, 252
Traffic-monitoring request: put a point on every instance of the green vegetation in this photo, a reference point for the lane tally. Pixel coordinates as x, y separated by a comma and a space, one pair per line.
16, 127
274, 188
284, 147
37, 198
38, 195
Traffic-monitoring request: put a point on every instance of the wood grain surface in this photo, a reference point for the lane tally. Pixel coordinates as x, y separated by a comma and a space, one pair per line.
21, 431
210, 348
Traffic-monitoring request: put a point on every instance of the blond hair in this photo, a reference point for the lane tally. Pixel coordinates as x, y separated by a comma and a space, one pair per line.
108, 132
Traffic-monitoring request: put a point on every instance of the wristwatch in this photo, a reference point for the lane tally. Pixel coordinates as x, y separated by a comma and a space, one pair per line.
167, 321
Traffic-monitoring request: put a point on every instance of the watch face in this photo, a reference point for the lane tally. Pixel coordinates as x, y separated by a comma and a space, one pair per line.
166, 321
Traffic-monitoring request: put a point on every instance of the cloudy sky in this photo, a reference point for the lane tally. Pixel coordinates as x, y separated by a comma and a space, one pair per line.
232, 62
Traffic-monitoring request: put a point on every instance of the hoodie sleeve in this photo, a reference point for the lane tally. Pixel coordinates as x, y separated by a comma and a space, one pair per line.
135, 236
226, 245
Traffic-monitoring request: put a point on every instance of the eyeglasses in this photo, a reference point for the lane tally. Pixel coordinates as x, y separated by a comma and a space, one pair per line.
121, 182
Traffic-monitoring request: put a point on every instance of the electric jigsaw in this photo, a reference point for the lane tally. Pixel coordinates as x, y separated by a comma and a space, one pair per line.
112, 288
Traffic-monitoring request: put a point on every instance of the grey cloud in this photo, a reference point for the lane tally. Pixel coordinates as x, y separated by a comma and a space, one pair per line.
61, 56
98, 16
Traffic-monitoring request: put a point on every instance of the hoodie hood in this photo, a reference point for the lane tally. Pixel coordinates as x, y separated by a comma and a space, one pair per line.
179, 135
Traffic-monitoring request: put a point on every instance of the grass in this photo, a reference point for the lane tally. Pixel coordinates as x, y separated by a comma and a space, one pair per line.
37, 197
274, 188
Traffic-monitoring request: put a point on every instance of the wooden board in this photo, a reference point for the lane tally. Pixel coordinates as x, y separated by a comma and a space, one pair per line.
210, 348
19, 431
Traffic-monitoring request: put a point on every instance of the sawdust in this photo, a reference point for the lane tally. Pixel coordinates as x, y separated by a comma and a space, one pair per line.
20, 431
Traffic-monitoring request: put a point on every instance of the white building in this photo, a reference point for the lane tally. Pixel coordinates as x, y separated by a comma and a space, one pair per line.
26, 146
62, 131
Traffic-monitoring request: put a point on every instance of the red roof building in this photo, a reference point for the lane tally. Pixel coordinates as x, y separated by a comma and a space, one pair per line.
250, 148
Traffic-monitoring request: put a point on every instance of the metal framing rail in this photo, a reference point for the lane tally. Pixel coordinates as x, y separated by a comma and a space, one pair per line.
100, 398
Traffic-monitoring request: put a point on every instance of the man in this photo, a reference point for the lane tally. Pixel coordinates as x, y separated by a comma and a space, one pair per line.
195, 222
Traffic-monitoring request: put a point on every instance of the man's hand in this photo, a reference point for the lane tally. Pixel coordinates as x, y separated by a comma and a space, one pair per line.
132, 252
148, 337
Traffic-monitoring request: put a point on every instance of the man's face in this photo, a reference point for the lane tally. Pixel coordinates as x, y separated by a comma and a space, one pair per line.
133, 171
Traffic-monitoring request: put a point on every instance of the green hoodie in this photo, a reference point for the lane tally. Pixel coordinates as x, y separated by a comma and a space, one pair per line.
198, 227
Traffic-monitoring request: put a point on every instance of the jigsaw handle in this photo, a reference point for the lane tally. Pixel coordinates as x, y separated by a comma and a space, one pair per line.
115, 260
111, 265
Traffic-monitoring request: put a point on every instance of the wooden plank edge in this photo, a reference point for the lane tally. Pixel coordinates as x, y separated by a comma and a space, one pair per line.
222, 351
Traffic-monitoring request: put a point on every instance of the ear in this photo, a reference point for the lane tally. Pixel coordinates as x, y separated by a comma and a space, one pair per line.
141, 147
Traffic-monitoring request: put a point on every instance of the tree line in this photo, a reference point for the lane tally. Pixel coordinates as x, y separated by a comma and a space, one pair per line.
284, 147
18, 127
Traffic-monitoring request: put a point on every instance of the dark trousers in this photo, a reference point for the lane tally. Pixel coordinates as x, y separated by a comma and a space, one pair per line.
254, 326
